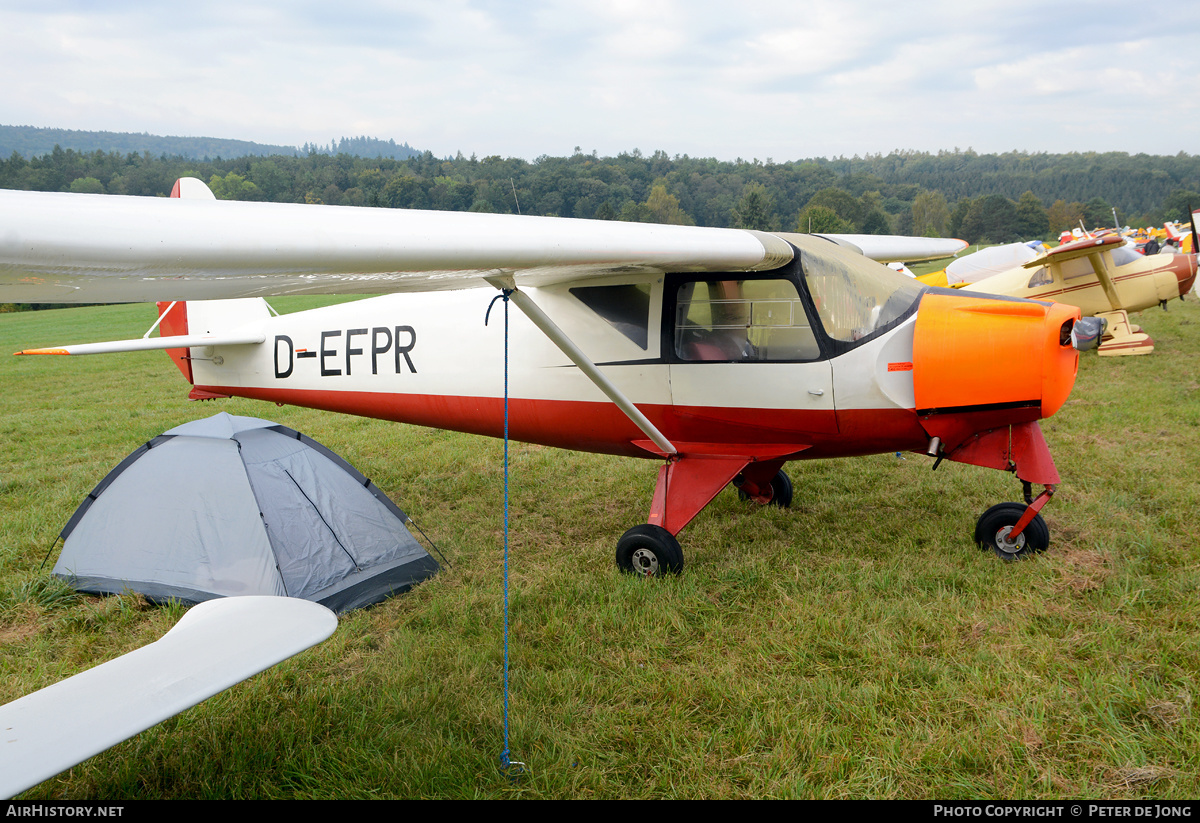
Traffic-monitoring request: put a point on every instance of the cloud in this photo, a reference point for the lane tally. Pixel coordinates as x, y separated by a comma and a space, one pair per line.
767, 79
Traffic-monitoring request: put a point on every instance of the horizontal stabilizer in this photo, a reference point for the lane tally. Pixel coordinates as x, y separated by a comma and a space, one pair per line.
183, 341
215, 645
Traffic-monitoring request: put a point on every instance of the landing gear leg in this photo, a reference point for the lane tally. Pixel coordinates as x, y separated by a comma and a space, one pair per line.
684, 487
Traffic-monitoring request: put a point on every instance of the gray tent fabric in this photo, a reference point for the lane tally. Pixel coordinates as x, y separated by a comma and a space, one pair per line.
232, 506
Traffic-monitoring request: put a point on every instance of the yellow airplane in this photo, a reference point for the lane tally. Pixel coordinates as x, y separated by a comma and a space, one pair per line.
1183, 240
1104, 278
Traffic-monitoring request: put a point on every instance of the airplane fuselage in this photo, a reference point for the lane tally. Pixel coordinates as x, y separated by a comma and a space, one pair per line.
816, 359
428, 359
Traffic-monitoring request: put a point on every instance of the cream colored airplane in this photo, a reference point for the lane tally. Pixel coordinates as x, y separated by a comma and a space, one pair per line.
1103, 277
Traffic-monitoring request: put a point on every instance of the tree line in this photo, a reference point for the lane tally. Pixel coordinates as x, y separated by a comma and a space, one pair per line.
992, 198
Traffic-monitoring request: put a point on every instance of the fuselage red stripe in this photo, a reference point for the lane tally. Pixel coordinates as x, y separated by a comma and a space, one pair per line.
601, 427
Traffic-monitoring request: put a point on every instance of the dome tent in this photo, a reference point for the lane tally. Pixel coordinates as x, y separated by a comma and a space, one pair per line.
231, 506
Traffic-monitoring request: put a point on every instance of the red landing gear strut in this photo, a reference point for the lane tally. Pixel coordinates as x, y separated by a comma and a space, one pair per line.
1013, 530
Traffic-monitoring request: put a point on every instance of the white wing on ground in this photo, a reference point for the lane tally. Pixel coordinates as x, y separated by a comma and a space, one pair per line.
215, 645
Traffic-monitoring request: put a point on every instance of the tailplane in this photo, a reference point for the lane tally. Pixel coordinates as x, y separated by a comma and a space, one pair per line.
187, 330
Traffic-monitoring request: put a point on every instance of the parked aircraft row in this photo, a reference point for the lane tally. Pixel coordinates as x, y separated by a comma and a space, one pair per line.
1106, 275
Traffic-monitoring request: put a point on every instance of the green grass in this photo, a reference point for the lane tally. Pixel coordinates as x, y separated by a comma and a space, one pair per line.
857, 645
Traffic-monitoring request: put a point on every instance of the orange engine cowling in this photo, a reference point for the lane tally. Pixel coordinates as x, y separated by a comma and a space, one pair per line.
982, 364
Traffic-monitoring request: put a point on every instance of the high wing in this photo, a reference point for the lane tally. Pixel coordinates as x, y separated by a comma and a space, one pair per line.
1089, 247
215, 645
1074, 249
891, 248
135, 249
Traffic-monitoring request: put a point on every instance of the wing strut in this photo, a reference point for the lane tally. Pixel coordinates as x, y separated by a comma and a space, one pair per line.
1106, 281
556, 335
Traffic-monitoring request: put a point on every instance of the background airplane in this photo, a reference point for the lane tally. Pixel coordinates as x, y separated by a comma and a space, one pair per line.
983, 263
1105, 278
1180, 240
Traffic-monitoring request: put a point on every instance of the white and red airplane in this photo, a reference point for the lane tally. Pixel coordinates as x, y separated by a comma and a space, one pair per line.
721, 353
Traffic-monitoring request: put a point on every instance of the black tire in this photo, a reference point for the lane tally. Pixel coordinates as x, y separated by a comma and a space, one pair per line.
781, 491
649, 551
996, 522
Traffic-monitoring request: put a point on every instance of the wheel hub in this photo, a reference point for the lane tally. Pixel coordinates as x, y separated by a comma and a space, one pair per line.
1007, 546
645, 562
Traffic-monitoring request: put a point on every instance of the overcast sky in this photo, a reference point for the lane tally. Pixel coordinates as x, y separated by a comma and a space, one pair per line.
780, 80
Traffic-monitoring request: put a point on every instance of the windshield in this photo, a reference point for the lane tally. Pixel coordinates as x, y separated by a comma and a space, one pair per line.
854, 296
1124, 255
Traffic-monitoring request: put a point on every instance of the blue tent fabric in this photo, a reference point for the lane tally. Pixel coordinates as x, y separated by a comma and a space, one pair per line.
237, 505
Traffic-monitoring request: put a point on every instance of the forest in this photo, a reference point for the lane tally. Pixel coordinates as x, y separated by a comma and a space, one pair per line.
978, 197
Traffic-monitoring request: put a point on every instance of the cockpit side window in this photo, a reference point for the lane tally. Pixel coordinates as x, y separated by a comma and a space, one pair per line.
1041, 277
827, 301
1079, 267
748, 320
626, 307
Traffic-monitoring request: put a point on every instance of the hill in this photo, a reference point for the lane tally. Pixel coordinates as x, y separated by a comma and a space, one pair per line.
31, 141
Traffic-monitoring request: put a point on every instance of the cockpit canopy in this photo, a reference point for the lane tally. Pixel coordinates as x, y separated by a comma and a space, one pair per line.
768, 317
854, 296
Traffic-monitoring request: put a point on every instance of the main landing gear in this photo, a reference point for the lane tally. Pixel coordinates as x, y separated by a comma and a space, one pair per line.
780, 490
1015, 530
650, 550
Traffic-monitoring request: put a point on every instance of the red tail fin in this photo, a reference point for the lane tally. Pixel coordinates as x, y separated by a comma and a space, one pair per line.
173, 321
190, 188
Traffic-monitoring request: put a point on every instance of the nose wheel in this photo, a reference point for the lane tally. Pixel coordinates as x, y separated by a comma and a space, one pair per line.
996, 527
649, 551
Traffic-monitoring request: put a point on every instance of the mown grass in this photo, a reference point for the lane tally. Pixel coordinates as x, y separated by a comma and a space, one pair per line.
857, 645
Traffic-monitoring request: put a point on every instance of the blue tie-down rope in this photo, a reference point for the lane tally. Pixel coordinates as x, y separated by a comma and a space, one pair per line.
512, 768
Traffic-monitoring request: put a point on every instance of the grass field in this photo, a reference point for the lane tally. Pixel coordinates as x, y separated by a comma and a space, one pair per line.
856, 645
